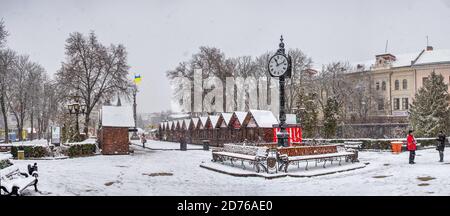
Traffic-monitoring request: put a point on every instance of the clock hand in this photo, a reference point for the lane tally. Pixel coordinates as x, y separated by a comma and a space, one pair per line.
276, 61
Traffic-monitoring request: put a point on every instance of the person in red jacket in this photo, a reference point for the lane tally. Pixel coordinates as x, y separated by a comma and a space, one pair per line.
411, 146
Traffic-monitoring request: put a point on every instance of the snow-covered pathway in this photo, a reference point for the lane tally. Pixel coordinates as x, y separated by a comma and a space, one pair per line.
150, 172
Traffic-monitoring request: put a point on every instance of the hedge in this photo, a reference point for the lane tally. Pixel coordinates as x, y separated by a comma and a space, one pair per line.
30, 151
380, 144
81, 150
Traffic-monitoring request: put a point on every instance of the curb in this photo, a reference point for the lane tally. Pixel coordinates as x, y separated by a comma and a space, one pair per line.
281, 175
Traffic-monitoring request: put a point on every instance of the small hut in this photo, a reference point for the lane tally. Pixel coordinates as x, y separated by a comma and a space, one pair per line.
186, 132
223, 134
237, 132
201, 127
210, 128
193, 128
258, 126
115, 124
171, 131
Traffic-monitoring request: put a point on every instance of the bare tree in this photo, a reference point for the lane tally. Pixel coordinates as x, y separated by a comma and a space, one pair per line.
19, 94
294, 85
7, 61
34, 83
93, 71
3, 33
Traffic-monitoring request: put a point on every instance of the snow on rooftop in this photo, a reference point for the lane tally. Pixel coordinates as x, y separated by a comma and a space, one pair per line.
187, 122
195, 121
434, 56
117, 116
291, 119
264, 118
241, 116
226, 117
405, 59
214, 119
203, 120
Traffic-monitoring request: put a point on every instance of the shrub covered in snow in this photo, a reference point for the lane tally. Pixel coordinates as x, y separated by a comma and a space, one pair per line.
378, 144
79, 150
31, 151
4, 161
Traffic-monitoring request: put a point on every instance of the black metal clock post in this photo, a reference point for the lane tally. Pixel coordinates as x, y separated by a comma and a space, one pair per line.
283, 136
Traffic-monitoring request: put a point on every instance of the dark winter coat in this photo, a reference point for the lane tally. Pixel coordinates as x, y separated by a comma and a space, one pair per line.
441, 142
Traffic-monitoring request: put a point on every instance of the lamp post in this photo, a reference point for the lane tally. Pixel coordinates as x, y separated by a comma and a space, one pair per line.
76, 109
134, 136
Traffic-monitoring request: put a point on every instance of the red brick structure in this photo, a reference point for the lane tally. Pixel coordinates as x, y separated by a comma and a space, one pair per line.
115, 124
114, 140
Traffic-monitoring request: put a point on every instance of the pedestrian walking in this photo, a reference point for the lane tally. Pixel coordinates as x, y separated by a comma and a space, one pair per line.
441, 145
411, 146
143, 140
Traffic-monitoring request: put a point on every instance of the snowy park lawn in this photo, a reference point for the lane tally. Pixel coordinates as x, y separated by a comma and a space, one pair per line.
159, 172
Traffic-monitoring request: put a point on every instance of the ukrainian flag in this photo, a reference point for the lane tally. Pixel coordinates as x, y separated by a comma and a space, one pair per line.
137, 79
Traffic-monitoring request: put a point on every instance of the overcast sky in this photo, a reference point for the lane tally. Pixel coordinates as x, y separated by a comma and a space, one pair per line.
161, 33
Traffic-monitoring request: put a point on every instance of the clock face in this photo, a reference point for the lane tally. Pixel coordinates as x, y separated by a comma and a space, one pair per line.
278, 65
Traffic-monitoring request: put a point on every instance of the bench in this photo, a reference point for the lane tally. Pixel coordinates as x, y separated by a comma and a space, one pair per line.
292, 155
14, 182
256, 156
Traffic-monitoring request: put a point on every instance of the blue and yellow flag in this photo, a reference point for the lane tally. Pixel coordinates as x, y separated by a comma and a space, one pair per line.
137, 79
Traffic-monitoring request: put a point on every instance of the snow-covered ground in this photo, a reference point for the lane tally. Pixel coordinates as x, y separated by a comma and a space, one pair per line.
156, 172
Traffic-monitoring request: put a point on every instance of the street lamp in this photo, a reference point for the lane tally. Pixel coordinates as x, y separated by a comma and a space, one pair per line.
77, 109
134, 136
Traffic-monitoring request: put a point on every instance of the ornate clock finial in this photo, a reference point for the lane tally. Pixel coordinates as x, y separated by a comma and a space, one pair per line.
281, 42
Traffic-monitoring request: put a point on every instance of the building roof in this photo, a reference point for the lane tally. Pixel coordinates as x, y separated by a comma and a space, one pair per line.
213, 119
203, 120
291, 119
434, 56
195, 121
117, 116
409, 59
264, 118
241, 116
187, 122
226, 117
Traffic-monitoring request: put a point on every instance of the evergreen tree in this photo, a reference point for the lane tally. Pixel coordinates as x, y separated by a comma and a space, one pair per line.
330, 113
308, 114
430, 111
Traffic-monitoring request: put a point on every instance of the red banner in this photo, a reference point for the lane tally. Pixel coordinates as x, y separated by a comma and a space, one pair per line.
295, 135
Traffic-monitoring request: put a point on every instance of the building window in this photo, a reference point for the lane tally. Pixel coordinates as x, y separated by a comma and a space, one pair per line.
396, 103
405, 84
383, 85
377, 86
380, 104
405, 104
397, 85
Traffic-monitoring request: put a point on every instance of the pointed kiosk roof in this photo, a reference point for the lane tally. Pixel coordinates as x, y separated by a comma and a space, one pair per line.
211, 122
262, 118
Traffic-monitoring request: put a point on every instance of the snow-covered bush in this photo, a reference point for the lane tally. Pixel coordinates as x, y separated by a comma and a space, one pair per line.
81, 150
31, 151
4, 161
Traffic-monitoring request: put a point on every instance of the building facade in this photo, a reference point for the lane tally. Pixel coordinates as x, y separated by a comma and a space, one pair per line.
395, 79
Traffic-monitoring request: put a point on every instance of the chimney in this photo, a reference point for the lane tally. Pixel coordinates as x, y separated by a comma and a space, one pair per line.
429, 48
